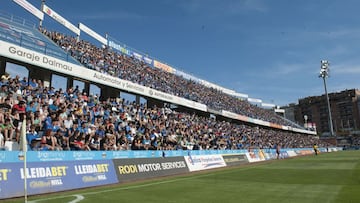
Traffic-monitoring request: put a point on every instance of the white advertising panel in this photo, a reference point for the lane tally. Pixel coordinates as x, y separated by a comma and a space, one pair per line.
204, 162
255, 156
92, 33
291, 153
29, 7
229, 114
254, 100
60, 19
268, 105
241, 95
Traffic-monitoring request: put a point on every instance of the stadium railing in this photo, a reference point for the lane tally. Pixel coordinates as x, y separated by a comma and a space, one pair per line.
40, 43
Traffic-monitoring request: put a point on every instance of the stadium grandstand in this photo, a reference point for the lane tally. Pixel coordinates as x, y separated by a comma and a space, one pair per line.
204, 117
74, 138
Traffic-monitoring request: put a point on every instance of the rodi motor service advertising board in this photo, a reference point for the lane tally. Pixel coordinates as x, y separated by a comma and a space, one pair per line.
45, 177
143, 168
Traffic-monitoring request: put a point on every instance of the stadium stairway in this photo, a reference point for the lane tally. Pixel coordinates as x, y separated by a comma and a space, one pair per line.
20, 32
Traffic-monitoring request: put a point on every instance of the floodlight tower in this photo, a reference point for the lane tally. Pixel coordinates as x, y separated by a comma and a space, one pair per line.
324, 73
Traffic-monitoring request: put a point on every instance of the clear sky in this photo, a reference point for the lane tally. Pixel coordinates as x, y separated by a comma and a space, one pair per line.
268, 49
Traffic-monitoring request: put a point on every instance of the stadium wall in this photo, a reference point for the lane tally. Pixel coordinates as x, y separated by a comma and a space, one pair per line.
55, 171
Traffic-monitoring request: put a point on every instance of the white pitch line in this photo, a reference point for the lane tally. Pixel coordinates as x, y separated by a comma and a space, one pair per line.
78, 198
116, 189
132, 187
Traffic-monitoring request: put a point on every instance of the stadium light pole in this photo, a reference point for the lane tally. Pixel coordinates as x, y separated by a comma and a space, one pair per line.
306, 120
324, 73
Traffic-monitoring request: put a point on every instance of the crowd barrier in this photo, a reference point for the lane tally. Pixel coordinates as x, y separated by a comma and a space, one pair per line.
55, 171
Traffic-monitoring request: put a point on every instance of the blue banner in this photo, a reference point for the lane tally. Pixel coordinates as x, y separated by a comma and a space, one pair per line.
123, 49
54, 176
47, 156
9, 156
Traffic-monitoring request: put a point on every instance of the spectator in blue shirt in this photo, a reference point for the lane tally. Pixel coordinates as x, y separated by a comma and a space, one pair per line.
33, 139
31, 107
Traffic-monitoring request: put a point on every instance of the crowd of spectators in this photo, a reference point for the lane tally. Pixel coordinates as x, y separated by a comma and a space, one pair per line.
355, 140
108, 61
70, 119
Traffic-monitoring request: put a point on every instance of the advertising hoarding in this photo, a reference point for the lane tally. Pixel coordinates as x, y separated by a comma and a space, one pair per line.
204, 162
92, 33
45, 177
29, 7
235, 159
163, 66
60, 19
143, 168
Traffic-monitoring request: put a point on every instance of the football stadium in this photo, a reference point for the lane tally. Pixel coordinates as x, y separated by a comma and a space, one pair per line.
182, 139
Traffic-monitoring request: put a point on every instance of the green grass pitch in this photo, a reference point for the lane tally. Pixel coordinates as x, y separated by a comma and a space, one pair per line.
328, 177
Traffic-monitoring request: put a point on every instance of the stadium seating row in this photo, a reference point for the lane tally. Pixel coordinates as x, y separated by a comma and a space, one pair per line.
72, 120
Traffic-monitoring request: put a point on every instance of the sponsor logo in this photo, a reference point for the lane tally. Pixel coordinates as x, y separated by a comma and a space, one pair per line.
103, 155
160, 94
59, 19
236, 159
163, 66
43, 172
148, 60
4, 174
45, 184
128, 169
33, 57
135, 87
107, 78
89, 169
28, 55
48, 11
119, 48
40, 184
50, 156
83, 155
137, 56
204, 160
150, 167
95, 178
173, 165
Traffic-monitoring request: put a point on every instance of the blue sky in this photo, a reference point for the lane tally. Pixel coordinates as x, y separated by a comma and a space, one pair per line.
268, 49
